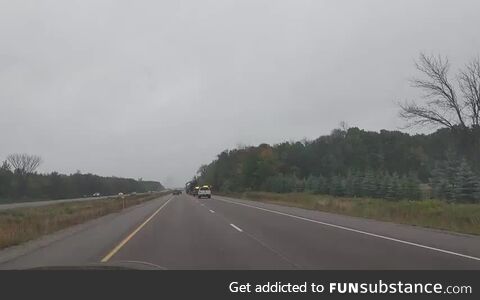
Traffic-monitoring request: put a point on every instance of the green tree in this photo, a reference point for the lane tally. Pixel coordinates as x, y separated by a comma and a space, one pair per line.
337, 187
5, 180
467, 186
369, 185
312, 184
412, 188
383, 185
393, 188
440, 183
350, 185
364, 160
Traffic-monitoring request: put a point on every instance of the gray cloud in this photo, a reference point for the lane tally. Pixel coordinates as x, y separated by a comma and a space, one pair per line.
154, 89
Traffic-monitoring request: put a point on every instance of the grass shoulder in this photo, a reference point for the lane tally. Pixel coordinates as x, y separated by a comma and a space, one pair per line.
20, 225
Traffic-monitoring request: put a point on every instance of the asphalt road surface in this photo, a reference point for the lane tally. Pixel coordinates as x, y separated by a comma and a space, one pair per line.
182, 232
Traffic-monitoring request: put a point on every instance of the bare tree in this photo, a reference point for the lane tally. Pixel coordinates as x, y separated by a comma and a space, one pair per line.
442, 106
5, 166
202, 170
469, 82
24, 163
344, 126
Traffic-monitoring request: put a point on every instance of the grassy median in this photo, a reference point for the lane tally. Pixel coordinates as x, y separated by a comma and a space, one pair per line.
463, 218
23, 224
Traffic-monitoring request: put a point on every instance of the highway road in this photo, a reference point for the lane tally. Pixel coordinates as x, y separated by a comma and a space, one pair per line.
46, 202
182, 232
49, 202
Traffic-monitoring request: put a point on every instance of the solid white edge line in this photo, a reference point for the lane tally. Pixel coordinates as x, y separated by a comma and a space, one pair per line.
237, 228
356, 230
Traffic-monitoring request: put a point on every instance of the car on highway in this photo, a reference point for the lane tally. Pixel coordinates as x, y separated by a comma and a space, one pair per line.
204, 191
96, 195
177, 192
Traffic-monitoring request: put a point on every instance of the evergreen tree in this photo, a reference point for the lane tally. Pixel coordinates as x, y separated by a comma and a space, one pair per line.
384, 183
357, 182
412, 188
380, 185
467, 185
403, 187
364, 161
337, 187
393, 188
439, 182
349, 185
312, 184
451, 166
281, 183
323, 185
5, 180
369, 184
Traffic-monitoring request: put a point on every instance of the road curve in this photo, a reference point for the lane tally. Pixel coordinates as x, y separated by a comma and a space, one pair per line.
182, 232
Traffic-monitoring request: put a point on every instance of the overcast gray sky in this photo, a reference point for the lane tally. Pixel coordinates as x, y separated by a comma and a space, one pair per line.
154, 89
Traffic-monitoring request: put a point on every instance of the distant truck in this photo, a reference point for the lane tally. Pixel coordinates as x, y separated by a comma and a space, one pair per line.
204, 191
195, 191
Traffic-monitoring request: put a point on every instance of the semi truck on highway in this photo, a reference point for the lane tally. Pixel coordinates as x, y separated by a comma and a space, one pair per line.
195, 191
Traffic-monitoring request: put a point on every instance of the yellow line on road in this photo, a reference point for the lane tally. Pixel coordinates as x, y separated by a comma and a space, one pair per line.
131, 235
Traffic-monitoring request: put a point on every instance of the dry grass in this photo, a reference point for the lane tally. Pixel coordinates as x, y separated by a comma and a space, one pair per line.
23, 224
463, 218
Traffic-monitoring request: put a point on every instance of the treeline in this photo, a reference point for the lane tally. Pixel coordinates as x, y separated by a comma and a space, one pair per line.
15, 184
357, 163
355, 184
